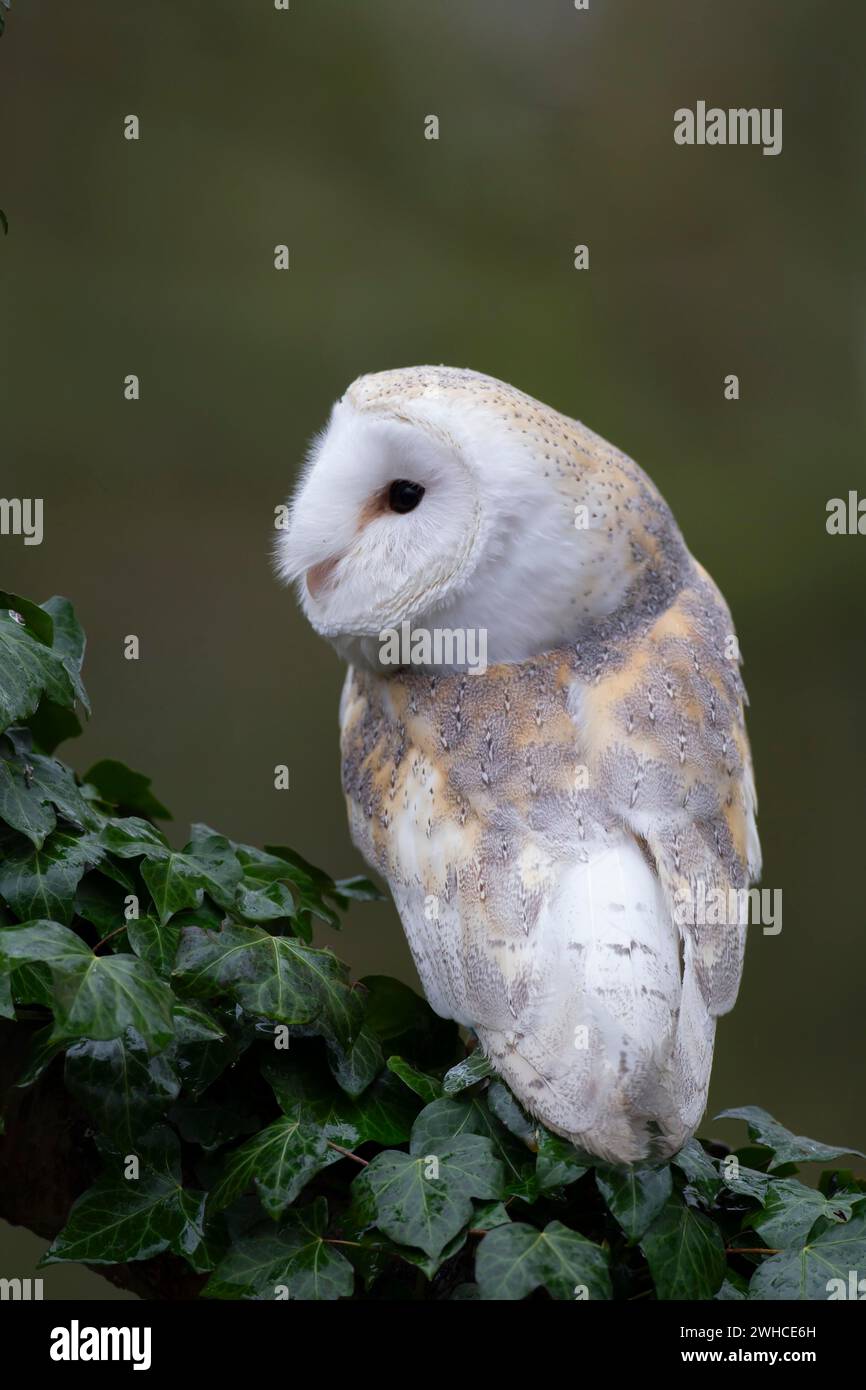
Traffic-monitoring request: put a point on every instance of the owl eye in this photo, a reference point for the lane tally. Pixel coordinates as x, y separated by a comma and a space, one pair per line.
404, 496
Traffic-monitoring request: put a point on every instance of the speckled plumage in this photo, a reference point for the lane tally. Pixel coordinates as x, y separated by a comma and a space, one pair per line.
535, 823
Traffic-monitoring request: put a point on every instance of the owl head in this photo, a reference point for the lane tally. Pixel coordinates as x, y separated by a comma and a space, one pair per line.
445, 499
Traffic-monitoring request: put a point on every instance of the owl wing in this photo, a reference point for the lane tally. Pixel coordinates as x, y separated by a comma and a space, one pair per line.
668, 744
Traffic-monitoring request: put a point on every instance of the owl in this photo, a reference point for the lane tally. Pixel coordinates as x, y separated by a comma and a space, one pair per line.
551, 818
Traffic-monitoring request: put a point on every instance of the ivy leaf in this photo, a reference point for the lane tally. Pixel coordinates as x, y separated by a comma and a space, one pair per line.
7, 1006
514, 1260
558, 1162
121, 1219
734, 1289
790, 1210
201, 1050
30, 670
805, 1272
95, 997
634, 1196
473, 1068
699, 1168
393, 1009
384, 1113
46, 942
427, 1087
119, 785
101, 901
123, 1087
154, 942
685, 1253
22, 806
174, 882
280, 1160
446, 1118
44, 1047
424, 1198
42, 882
130, 837
29, 615
271, 903
103, 997
293, 1257
786, 1147
502, 1104
359, 890
272, 977
67, 639
355, 1066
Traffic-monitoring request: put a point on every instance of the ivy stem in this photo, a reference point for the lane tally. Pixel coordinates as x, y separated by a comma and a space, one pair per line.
103, 939
347, 1153
751, 1250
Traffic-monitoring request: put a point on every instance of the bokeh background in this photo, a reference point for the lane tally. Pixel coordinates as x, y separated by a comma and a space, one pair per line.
261, 127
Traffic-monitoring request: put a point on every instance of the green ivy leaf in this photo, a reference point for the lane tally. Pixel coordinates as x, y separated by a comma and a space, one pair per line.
424, 1198
103, 997
634, 1196
280, 1160
29, 670
355, 1066
96, 997
42, 882
7, 1006
44, 941
68, 641
393, 1009
502, 1104
272, 977
805, 1271
119, 785
294, 1257
124, 1088
514, 1260
699, 1168
446, 1118
201, 1050
384, 1113
359, 890
121, 1219
786, 1147
558, 1162
790, 1210
154, 942
685, 1253
472, 1069
271, 903
22, 806
427, 1087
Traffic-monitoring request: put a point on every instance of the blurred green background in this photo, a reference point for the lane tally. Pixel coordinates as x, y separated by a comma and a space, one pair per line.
261, 127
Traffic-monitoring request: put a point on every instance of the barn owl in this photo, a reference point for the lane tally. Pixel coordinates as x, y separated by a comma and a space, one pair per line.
543, 823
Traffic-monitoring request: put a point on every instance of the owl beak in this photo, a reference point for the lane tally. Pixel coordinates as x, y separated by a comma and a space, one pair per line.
317, 577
